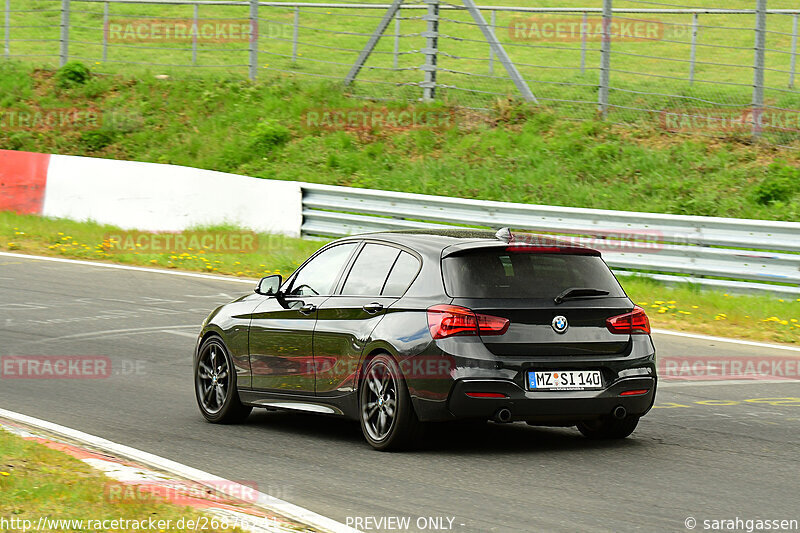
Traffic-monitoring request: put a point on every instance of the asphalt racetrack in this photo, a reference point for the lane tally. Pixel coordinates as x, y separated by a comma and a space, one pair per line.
710, 450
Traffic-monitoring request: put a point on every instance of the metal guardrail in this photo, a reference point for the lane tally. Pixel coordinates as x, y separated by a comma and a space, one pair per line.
732, 254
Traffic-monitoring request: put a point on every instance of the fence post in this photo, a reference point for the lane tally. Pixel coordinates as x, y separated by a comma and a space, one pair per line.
605, 58
295, 32
758, 65
693, 54
253, 39
500, 51
372, 42
105, 31
491, 51
396, 39
8, 29
584, 31
794, 51
196, 29
64, 55
431, 50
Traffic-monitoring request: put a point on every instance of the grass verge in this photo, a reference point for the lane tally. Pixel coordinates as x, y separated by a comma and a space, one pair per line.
274, 254
36, 481
515, 153
759, 318
753, 317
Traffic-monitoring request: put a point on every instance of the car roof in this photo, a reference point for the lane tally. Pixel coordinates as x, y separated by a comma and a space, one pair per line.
449, 240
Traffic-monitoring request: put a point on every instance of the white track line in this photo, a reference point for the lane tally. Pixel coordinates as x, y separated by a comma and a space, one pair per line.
106, 333
724, 339
127, 267
250, 281
266, 501
669, 384
180, 333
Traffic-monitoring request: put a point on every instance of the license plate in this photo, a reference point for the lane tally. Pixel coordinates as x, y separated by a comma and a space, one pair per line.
565, 380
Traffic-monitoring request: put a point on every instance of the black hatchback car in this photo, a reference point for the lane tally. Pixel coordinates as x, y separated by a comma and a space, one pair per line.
396, 329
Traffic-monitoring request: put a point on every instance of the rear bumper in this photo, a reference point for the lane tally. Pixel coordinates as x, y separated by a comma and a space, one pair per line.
550, 406
545, 407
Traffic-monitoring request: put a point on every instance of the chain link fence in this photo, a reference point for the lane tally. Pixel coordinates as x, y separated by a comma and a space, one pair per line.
710, 70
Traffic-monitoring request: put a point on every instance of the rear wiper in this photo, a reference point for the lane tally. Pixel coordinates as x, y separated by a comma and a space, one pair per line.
577, 292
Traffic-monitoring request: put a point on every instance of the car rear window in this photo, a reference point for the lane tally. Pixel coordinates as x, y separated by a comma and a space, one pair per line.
504, 274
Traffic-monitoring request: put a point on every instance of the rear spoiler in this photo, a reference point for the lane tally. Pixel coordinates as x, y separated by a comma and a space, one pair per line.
546, 246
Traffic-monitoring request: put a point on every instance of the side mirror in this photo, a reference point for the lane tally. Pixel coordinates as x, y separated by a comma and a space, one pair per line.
269, 286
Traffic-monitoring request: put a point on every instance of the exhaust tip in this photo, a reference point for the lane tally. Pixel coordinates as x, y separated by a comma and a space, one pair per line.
503, 416
619, 412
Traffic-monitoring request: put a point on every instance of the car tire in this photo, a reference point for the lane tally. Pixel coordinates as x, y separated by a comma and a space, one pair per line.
608, 428
387, 417
215, 384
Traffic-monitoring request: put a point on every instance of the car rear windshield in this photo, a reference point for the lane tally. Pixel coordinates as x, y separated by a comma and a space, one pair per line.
499, 273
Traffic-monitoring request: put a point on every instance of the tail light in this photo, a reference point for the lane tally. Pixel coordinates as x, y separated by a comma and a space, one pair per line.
486, 395
633, 323
635, 392
451, 320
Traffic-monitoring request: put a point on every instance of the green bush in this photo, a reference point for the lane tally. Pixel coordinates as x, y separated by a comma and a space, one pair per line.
18, 141
95, 140
780, 185
267, 135
72, 74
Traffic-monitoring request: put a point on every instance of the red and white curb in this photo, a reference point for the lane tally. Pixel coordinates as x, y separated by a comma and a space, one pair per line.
145, 473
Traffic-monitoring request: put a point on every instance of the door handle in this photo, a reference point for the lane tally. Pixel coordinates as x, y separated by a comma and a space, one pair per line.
308, 309
373, 308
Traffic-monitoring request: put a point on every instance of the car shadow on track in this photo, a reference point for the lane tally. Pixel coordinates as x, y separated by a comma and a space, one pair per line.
479, 437
463, 437
291, 424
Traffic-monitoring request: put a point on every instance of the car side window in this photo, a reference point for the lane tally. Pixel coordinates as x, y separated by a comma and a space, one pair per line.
401, 276
318, 276
370, 270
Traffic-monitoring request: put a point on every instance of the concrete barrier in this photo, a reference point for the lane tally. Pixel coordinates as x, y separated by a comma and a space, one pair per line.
146, 196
